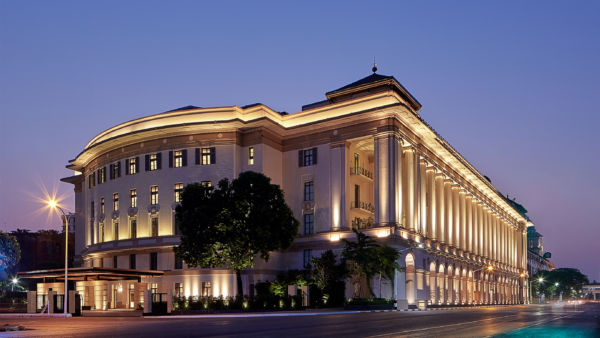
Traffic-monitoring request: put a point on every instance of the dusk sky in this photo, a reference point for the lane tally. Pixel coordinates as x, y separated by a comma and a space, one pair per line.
512, 85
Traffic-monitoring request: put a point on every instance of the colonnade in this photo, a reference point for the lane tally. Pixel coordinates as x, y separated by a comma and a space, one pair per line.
464, 218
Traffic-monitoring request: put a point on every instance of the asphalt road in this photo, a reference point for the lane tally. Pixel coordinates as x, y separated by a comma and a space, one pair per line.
512, 321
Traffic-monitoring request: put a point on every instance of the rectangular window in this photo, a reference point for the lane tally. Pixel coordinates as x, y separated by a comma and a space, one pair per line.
132, 198
92, 210
307, 255
115, 170
101, 175
153, 162
356, 161
116, 201
177, 190
101, 232
92, 180
309, 223
206, 289
115, 265
116, 230
101, 205
178, 291
132, 165
132, 261
133, 228
178, 159
307, 157
154, 222
206, 184
91, 231
154, 195
309, 192
208, 156
178, 263
251, 155
153, 261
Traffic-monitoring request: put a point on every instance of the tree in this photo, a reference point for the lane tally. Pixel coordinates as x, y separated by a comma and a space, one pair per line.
361, 257
231, 225
326, 274
10, 251
387, 264
570, 281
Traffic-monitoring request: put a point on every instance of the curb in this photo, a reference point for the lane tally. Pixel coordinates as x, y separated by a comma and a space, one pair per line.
39, 315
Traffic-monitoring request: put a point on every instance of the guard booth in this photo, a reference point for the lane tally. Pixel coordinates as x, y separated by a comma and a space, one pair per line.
94, 289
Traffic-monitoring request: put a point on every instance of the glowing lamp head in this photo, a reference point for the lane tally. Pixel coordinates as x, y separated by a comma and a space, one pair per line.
490, 268
540, 280
52, 204
555, 284
15, 280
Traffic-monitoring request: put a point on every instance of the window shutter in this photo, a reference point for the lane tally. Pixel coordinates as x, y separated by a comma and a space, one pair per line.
98, 176
213, 155
127, 167
147, 162
111, 173
119, 169
171, 159
197, 155
300, 163
159, 161
137, 164
184, 160
104, 178
314, 155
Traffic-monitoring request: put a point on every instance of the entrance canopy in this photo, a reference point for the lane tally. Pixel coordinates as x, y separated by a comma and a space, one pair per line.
90, 274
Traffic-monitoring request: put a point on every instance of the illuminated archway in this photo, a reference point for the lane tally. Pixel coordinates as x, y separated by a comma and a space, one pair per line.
410, 278
432, 283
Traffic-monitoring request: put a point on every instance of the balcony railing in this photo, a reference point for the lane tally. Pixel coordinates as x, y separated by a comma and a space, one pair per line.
366, 206
362, 172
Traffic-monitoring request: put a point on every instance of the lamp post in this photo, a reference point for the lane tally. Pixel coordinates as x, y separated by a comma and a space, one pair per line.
14, 282
54, 205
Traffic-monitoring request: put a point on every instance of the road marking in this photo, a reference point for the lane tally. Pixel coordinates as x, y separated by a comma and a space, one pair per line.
439, 327
534, 324
252, 315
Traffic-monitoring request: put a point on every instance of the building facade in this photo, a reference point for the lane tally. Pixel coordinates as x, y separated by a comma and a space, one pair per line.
537, 259
361, 159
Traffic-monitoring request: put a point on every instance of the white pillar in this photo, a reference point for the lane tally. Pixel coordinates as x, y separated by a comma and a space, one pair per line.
431, 204
475, 220
455, 215
386, 150
449, 231
338, 185
462, 220
439, 203
422, 181
409, 184
469, 221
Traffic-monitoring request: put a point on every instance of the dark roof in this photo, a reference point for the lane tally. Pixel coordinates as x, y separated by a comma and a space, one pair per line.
251, 105
375, 80
90, 273
183, 108
365, 80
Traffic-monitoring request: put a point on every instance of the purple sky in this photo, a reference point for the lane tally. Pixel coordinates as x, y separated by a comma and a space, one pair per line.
511, 85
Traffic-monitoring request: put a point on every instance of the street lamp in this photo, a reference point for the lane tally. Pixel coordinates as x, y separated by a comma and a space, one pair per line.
15, 281
54, 205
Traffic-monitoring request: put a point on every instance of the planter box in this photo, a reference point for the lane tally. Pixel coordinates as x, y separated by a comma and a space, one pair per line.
369, 307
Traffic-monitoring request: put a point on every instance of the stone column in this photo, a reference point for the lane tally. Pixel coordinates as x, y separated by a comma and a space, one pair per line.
431, 204
462, 220
495, 234
338, 171
422, 181
475, 220
439, 203
489, 232
409, 183
448, 229
31, 301
469, 221
455, 215
480, 229
386, 150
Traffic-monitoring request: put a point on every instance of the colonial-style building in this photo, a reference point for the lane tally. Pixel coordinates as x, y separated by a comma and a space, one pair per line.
363, 158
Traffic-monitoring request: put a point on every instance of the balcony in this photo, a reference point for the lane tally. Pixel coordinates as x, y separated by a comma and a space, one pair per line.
361, 172
363, 206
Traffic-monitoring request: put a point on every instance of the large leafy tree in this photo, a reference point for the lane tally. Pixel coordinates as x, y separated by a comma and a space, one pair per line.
10, 251
361, 256
569, 280
230, 225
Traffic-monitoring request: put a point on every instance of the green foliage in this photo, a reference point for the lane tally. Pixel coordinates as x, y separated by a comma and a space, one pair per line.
328, 278
570, 282
360, 257
369, 301
10, 251
230, 225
